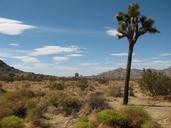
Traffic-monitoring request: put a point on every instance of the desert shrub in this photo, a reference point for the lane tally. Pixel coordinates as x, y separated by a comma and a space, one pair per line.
83, 84
136, 115
83, 118
112, 117
26, 93
168, 98
32, 103
151, 124
83, 122
67, 102
56, 86
12, 122
40, 94
42, 124
36, 113
102, 81
115, 91
96, 101
155, 83
26, 85
12, 103
31, 109
131, 92
2, 90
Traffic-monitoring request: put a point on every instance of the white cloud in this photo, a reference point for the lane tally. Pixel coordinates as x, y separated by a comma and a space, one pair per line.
120, 54
27, 59
13, 27
112, 32
14, 44
50, 50
46, 68
165, 54
60, 58
89, 64
75, 55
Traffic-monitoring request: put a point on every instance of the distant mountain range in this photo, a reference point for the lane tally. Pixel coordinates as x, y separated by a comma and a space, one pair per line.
6, 70
135, 73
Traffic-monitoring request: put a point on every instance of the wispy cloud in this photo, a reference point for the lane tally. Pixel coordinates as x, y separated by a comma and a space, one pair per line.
112, 32
60, 58
165, 54
50, 50
13, 27
32, 55
27, 59
89, 64
14, 44
75, 55
120, 54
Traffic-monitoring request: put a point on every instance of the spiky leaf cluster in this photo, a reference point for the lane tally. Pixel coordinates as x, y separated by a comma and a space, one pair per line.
132, 24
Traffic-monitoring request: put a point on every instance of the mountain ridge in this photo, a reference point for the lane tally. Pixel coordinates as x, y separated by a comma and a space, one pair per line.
119, 73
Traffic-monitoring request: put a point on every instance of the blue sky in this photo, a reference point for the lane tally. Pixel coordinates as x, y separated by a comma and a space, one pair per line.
61, 37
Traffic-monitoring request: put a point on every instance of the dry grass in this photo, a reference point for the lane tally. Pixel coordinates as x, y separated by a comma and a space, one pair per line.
156, 107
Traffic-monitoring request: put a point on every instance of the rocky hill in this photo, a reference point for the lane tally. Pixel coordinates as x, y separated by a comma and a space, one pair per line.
167, 71
135, 73
5, 70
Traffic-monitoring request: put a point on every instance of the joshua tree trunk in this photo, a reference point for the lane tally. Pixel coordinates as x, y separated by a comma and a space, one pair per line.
128, 70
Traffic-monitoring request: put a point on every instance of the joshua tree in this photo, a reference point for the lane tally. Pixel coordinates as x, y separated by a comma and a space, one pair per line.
132, 25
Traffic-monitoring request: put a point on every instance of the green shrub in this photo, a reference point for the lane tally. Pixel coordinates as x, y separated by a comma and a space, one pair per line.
35, 109
96, 101
136, 115
83, 123
12, 103
151, 124
83, 84
111, 117
56, 86
36, 113
67, 102
12, 122
83, 118
155, 83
